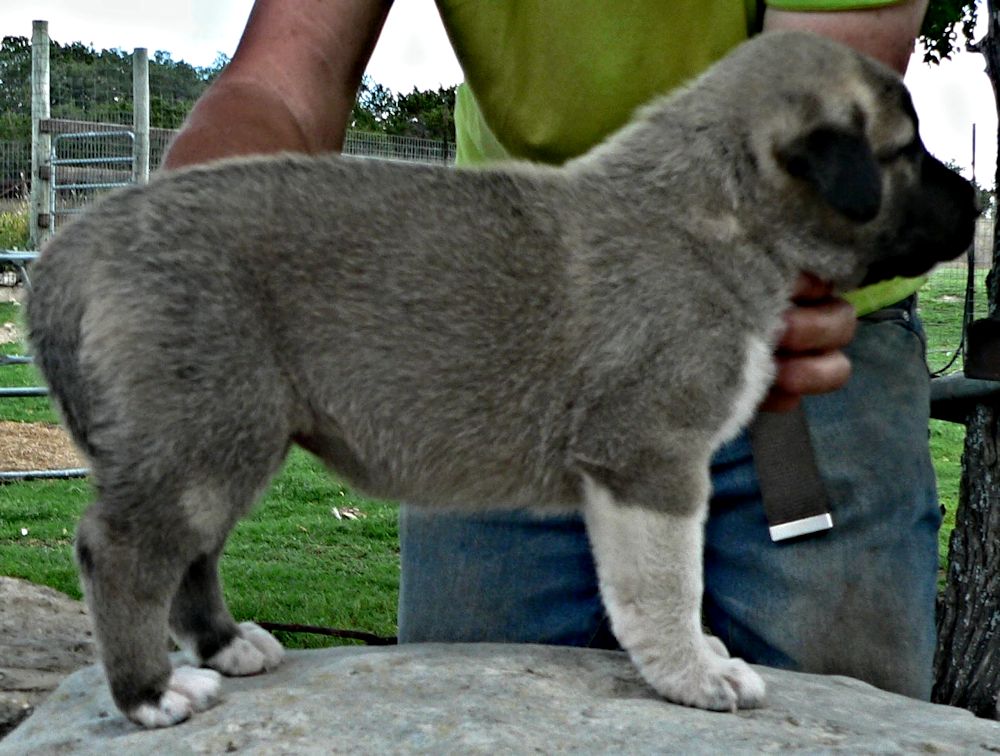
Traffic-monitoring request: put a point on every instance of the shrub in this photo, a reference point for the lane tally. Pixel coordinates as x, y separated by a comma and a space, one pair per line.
14, 228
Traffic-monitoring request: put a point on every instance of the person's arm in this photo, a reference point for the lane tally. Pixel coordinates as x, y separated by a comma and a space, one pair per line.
885, 33
290, 85
819, 326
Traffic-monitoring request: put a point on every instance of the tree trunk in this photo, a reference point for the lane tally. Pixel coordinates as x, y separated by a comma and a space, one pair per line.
967, 664
968, 653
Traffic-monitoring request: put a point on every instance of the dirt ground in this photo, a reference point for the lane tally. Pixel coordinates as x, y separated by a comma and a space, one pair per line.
36, 446
31, 446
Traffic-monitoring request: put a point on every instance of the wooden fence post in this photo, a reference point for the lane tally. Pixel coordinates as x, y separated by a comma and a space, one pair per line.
140, 115
40, 220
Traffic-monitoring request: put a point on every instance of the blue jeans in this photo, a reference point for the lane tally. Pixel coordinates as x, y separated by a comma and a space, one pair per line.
857, 600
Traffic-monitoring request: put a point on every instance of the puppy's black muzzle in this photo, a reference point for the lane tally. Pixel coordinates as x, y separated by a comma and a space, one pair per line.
939, 224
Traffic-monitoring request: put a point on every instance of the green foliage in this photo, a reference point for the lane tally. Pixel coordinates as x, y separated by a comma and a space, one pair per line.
96, 85
427, 114
14, 229
939, 33
15, 88
373, 106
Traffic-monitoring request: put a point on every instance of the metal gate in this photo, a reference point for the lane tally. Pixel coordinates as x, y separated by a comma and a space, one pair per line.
86, 163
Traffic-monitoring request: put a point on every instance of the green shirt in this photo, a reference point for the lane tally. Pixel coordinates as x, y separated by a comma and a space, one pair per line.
548, 79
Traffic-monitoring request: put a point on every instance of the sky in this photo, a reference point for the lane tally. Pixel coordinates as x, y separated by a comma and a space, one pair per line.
414, 52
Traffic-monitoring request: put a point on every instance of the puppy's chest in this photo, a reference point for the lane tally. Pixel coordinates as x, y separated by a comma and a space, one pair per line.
757, 374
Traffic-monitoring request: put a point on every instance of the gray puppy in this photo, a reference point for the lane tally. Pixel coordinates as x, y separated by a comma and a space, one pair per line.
523, 336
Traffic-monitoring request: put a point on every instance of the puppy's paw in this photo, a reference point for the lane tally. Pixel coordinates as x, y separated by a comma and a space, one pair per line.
189, 690
709, 682
717, 646
253, 651
266, 643
199, 686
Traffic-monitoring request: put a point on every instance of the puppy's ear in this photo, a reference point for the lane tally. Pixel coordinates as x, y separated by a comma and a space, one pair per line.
841, 168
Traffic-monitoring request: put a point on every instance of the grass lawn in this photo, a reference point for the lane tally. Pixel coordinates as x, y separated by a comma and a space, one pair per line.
941, 304
293, 561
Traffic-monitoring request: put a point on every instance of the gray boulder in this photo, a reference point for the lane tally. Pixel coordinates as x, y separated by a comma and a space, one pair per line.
496, 699
44, 635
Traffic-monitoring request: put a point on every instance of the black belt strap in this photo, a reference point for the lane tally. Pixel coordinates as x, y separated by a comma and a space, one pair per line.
795, 499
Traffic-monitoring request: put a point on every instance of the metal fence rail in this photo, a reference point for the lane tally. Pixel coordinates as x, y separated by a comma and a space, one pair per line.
20, 261
84, 164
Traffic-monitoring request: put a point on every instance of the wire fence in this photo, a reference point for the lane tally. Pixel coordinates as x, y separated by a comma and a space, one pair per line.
15, 173
370, 144
15, 156
91, 157
103, 93
955, 295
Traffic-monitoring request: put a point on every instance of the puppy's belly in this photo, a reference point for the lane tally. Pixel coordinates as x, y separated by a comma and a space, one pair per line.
462, 479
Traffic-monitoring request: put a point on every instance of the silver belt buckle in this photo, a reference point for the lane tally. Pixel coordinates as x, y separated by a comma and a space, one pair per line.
785, 530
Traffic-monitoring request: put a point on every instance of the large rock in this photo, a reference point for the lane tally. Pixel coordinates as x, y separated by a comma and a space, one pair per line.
44, 635
496, 699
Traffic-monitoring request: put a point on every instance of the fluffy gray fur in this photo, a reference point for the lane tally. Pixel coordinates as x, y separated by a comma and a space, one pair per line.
521, 336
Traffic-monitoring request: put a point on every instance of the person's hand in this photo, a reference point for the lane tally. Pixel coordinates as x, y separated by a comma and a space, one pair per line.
809, 359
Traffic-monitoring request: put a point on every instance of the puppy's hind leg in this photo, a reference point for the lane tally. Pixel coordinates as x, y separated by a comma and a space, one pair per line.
649, 564
130, 570
148, 551
201, 623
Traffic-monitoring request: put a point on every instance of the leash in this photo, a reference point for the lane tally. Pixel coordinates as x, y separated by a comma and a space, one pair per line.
795, 499
367, 638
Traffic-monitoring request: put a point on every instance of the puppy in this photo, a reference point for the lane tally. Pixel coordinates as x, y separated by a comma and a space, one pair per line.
509, 337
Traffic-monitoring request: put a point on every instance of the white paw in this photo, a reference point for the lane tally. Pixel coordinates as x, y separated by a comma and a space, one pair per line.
253, 651
266, 643
189, 690
200, 686
708, 681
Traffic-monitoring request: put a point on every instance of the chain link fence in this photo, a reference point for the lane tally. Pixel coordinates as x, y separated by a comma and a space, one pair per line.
370, 144
89, 158
954, 295
103, 93
90, 142
15, 174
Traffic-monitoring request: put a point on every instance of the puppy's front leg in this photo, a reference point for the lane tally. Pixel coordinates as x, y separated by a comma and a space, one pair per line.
649, 565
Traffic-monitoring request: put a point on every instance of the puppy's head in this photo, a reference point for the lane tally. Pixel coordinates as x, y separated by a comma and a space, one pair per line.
839, 168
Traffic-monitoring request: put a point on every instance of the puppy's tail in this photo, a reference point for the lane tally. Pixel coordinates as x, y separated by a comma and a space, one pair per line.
55, 314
